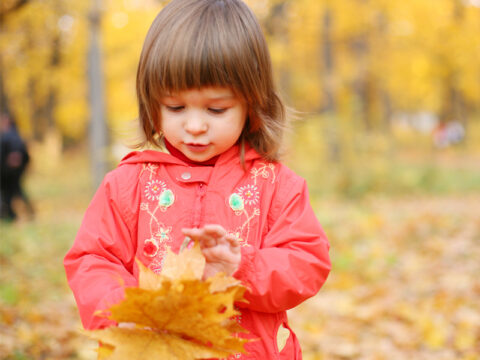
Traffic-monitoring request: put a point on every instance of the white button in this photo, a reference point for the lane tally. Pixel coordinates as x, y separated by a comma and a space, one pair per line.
186, 176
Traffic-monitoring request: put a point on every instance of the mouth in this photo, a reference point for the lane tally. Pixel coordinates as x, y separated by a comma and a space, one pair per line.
197, 147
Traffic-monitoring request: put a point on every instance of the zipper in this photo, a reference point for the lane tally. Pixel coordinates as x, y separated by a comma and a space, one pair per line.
198, 210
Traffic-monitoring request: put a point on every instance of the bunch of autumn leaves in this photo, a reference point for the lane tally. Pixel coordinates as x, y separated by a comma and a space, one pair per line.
176, 314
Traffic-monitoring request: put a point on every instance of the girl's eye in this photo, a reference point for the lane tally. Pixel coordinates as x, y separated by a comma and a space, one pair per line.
175, 108
217, 110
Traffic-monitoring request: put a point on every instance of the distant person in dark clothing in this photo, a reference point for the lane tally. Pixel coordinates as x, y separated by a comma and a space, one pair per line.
14, 158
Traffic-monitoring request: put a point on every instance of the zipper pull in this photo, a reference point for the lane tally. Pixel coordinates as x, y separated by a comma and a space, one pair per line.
202, 189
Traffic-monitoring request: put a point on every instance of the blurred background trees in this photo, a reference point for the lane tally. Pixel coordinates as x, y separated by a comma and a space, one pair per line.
368, 77
387, 93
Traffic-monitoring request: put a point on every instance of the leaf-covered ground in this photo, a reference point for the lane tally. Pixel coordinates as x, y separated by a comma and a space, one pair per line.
405, 282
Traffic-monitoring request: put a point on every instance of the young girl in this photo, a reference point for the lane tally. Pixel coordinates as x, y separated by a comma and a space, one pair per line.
205, 92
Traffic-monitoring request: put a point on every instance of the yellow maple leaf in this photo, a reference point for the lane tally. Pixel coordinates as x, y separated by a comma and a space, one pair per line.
188, 264
177, 314
144, 344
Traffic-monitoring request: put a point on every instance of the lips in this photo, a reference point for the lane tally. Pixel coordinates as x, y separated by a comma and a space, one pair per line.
197, 147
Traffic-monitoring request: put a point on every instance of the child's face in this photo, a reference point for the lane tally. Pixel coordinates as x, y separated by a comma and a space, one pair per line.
203, 123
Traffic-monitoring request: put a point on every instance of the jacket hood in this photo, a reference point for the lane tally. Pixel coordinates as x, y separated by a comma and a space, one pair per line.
154, 156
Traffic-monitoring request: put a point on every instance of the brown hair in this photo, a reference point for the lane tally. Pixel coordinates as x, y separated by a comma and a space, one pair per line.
197, 43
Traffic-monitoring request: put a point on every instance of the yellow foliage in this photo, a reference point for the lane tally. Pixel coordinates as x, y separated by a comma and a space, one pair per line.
146, 344
176, 314
412, 51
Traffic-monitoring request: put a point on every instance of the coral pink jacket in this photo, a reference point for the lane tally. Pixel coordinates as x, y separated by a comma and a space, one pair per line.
141, 207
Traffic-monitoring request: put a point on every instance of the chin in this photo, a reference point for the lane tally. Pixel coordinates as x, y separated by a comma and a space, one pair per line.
198, 158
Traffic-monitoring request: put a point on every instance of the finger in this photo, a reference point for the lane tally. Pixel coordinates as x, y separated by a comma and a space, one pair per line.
215, 230
193, 233
200, 236
207, 241
234, 243
232, 240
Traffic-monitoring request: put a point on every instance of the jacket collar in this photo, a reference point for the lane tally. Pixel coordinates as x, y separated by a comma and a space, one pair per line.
232, 155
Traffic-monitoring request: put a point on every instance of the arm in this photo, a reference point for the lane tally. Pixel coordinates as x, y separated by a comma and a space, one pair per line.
100, 263
293, 262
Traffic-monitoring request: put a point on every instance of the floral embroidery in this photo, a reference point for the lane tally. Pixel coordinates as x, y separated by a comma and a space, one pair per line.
245, 199
249, 194
163, 233
154, 189
236, 203
166, 199
244, 202
151, 168
150, 247
264, 171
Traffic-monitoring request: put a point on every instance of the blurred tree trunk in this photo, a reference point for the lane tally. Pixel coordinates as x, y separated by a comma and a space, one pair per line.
42, 108
51, 101
387, 111
276, 27
361, 85
384, 94
4, 104
36, 110
17, 5
458, 97
98, 128
54, 62
4, 13
329, 107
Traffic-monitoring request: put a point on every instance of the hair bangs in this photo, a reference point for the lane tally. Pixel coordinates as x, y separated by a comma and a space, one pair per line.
199, 67
204, 55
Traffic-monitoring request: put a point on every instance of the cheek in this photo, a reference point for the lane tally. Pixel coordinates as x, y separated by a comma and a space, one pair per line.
166, 122
232, 128
166, 127
240, 120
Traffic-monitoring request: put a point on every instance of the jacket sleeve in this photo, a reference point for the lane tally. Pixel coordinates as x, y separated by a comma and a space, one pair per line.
293, 261
100, 263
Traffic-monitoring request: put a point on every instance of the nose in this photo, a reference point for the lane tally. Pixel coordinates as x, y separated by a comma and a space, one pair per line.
195, 124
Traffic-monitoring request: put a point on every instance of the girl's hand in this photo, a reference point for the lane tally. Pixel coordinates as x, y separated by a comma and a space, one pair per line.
221, 250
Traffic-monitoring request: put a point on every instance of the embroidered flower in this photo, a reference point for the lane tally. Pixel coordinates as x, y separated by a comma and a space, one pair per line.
236, 202
166, 199
249, 194
150, 247
163, 233
154, 189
